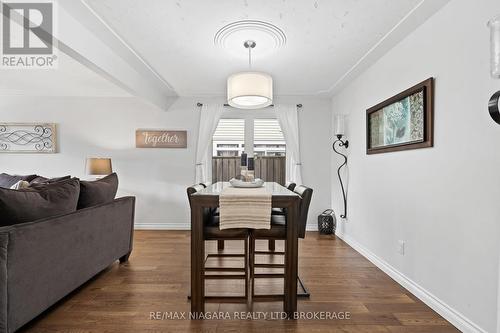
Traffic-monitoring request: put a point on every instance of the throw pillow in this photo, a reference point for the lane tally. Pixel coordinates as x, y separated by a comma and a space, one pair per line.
6, 181
38, 202
97, 192
43, 180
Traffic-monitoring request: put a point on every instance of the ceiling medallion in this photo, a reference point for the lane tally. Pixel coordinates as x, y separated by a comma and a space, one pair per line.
269, 36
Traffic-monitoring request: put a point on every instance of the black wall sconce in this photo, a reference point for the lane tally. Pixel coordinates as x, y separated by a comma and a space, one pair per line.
494, 25
339, 143
493, 107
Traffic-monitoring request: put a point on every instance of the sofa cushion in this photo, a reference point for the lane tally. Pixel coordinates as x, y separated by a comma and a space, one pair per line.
38, 201
6, 181
97, 192
39, 180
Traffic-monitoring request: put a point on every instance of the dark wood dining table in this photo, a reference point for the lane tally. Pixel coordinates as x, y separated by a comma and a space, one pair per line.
209, 198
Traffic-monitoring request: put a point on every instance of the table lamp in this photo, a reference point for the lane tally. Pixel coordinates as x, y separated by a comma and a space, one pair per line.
98, 167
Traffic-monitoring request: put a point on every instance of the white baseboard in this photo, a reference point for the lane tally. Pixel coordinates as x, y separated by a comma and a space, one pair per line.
162, 225
454, 317
184, 226
312, 227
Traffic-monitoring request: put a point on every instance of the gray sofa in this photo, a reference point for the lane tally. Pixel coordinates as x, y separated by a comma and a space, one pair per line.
43, 261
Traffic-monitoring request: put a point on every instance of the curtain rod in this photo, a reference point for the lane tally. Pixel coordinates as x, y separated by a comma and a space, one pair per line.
272, 105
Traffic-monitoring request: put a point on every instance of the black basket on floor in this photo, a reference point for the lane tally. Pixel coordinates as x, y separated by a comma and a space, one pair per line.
327, 222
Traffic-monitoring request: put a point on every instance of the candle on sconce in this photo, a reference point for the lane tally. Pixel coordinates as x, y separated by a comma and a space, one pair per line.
494, 25
339, 125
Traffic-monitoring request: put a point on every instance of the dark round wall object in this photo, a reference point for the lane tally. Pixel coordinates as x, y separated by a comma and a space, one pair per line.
493, 107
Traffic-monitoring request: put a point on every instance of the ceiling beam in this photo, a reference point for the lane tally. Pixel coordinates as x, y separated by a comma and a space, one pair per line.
83, 35
89, 40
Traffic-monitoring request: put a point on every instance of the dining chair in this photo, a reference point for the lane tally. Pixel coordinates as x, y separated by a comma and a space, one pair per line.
279, 211
215, 211
212, 232
278, 232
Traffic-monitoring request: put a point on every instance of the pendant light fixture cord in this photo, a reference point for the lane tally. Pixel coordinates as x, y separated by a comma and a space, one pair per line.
250, 58
249, 44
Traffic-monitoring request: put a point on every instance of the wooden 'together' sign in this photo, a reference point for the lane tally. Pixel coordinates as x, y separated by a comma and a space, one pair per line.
160, 139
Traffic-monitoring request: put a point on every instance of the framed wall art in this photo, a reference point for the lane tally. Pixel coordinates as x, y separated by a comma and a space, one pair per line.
27, 138
402, 122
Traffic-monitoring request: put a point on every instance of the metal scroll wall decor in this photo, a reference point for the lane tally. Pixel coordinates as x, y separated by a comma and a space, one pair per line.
27, 138
337, 144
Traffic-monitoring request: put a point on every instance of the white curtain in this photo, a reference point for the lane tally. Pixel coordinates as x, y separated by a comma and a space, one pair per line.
209, 118
289, 121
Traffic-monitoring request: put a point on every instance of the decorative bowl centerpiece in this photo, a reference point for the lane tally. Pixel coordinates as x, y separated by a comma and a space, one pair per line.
257, 182
247, 177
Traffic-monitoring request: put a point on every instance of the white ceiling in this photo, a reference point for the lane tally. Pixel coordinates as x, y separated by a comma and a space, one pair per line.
324, 39
70, 78
325, 44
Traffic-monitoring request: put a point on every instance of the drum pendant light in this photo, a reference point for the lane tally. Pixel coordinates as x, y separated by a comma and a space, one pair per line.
250, 89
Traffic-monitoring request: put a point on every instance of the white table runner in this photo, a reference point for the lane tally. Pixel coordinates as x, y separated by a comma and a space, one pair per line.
245, 208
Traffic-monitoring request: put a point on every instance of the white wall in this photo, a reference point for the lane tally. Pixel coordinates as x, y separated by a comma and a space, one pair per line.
442, 201
157, 177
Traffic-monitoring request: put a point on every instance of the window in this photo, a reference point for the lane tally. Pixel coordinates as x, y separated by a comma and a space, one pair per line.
258, 135
268, 138
229, 138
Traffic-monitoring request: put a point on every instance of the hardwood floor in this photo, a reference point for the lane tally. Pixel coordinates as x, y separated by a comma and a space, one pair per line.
122, 298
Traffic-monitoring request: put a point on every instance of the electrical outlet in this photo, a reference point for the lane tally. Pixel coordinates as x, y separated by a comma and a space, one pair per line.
401, 247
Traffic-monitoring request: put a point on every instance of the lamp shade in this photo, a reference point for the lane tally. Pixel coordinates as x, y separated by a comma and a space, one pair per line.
250, 90
98, 166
